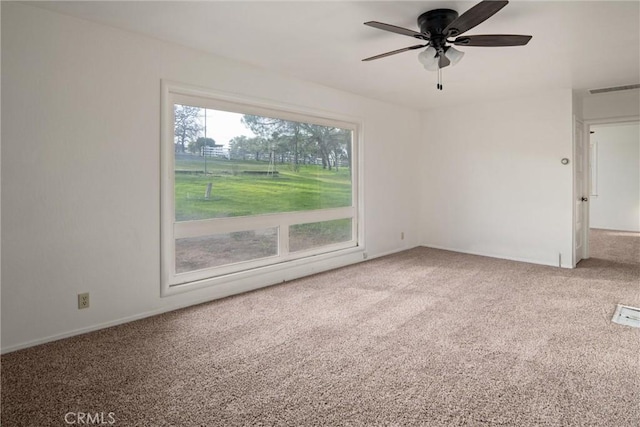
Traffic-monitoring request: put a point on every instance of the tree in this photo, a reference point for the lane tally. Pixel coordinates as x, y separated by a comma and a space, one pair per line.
346, 134
328, 143
294, 138
264, 127
187, 125
298, 141
243, 146
195, 147
282, 137
339, 145
239, 147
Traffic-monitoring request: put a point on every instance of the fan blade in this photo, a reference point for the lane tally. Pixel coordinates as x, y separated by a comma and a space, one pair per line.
397, 30
474, 16
393, 52
443, 61
492, 40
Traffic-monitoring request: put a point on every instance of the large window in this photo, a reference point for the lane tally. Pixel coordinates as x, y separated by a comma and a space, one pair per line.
246, 186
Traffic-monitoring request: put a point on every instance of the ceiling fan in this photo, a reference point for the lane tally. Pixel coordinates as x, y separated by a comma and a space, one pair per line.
442, 28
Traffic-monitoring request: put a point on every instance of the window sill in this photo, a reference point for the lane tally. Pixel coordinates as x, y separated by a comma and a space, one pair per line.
260, 277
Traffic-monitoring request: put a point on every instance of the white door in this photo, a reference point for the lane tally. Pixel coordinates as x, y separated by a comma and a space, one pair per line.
581, 193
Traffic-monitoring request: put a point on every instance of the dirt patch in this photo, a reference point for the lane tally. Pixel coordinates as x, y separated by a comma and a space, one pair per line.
213, 251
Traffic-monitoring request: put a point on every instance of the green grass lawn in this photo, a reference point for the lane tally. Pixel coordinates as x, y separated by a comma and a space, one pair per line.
237, 194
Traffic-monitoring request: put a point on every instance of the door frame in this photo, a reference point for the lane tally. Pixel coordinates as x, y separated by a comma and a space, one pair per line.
586, 251
578, 124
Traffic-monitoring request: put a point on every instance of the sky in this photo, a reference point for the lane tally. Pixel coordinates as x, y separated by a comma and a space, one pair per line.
223, 126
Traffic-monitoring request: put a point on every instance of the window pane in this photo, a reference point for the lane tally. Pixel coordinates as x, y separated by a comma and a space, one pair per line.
196, 253
316, 234
229, 164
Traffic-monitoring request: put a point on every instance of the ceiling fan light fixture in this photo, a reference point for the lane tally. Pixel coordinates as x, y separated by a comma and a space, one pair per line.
454, 55
437, 26
428, 58
432, 66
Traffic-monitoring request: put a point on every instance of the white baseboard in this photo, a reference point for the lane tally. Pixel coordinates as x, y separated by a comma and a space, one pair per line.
633, 230
490, 255
80, 331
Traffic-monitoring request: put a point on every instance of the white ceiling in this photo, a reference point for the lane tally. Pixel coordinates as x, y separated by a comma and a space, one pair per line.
576, 44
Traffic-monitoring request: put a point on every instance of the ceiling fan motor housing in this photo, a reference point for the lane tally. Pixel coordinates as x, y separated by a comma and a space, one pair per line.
434, 22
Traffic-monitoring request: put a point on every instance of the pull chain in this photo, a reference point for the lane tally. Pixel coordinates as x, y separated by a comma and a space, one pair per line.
439, 85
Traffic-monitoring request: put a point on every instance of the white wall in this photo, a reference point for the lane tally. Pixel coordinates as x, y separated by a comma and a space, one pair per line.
492, 179
612, 105
80, 169
578, 105
617, 203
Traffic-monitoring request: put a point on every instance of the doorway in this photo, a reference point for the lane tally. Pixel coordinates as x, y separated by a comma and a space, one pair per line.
613, 208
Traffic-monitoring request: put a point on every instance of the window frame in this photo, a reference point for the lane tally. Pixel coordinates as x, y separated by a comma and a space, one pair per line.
172, 282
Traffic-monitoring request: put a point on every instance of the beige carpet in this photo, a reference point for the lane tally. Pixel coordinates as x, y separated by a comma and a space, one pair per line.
424, 337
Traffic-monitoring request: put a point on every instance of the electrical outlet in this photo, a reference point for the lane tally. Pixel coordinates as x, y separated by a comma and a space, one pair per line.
402, 235
83, 300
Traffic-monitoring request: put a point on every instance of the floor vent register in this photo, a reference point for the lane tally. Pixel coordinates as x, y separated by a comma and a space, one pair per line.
626, 315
